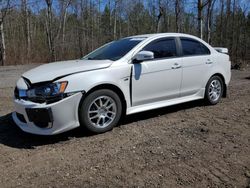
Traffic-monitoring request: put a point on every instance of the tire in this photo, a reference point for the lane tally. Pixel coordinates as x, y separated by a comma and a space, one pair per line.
214, 90
100, 111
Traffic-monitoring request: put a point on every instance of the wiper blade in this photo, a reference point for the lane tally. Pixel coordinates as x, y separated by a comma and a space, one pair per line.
90, 58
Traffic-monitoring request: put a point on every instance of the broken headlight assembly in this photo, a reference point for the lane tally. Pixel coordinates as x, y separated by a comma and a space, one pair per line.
50, 92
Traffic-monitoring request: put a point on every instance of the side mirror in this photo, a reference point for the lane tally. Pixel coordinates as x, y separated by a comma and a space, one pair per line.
143, 56
221, 50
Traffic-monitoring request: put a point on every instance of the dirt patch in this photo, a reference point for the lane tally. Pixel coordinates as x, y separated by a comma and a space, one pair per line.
189, 145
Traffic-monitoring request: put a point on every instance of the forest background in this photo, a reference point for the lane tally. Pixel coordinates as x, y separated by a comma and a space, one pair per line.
42, 31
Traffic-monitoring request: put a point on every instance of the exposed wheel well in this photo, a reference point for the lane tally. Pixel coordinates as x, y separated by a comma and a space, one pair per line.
115, 89
224, 84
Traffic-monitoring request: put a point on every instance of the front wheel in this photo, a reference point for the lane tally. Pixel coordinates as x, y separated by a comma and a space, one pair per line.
214, 90
100, 111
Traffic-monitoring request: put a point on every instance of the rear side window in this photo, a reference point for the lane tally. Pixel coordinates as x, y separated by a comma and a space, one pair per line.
192, 47
163, 48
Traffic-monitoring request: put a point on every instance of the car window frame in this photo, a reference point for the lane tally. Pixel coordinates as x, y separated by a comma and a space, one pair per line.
178, 52
191, 39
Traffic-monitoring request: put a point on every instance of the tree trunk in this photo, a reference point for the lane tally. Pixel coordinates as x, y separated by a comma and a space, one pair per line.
177, 15
110, 18
115, 21
208, 22
200, 32
221, 20
245, 38
63, 31
227, 20
92, 25
120, 25
49, 33
2, 44
159, 18
62, 25
200, 7
232, 41
99, 21
209, 19
3, 13
27, 28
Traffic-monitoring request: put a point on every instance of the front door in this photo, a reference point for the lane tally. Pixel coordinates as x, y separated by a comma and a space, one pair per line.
158, 79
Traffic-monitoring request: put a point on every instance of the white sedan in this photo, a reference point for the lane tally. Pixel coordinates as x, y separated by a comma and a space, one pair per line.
126, 76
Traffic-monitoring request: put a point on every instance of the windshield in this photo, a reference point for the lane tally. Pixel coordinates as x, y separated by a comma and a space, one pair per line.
114, 50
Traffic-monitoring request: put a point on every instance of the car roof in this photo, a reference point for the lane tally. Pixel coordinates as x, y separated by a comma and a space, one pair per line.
151, 37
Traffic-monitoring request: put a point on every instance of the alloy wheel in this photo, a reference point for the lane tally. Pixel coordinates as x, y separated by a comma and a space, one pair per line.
214, 90
102, 111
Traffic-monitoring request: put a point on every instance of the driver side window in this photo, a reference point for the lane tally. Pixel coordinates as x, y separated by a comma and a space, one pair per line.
163, 48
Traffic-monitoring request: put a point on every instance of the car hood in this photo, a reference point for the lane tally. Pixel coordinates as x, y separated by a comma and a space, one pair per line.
52, 71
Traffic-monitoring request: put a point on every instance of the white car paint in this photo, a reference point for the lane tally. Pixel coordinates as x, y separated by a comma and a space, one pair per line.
64, 113
150, 85
164, 81
51, 71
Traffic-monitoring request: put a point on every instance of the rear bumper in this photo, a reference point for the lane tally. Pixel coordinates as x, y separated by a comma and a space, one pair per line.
60, 116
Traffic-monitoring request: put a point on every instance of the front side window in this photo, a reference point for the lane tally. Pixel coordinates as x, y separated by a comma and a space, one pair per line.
114, 50
192, 47
164, 48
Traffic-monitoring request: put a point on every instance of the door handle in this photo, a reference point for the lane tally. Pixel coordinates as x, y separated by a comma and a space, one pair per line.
176, 66
209, 61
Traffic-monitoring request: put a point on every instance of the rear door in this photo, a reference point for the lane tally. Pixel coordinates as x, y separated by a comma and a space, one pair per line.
195, 62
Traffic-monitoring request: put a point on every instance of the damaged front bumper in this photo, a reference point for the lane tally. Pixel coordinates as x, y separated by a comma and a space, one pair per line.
47, 119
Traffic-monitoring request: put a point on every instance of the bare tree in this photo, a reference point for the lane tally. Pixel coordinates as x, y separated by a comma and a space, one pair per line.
64, 6
210, 7
99, 21
27, 28
67, 29
110, 17
3, 11
52, 32
232, 41
228, 14
159, 17
177, 15
49, 32
166, 14
115, 19
200, 7
221, 22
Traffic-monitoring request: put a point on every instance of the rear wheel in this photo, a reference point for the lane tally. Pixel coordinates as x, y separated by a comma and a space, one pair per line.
214, 90
100, 111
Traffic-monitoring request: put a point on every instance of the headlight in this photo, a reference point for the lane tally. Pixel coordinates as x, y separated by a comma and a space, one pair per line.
47, 91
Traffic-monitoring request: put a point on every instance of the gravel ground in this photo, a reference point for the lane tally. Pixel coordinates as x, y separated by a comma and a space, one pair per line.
187, 145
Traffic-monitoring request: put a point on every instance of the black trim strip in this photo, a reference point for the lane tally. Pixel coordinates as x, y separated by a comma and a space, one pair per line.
178, 46
130, 85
